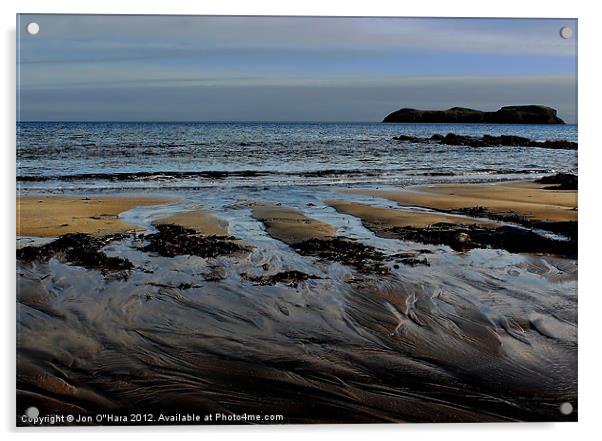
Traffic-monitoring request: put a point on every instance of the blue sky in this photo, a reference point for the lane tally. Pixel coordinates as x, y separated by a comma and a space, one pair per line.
170, 68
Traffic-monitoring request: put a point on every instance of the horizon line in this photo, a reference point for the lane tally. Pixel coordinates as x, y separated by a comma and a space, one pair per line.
269, 122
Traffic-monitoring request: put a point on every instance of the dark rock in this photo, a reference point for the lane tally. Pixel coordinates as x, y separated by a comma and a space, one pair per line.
562, 181
408, 138
564, 228
466, 237
491, 141
453, 139
509, 140
532, 114
560, 144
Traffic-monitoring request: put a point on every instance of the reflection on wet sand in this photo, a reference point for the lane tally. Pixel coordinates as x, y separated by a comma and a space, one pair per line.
202, 221
484, 335
290, 225
533, 201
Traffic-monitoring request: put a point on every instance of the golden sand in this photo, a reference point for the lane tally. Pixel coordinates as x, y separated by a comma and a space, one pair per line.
290, 225
200, 220
379, 218
51, 216
523, 198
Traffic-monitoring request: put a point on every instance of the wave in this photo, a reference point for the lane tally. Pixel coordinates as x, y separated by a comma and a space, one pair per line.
224, 174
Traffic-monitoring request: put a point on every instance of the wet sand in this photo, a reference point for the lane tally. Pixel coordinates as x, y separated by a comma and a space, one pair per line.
526, 199
328, 329
290, 225
200, 220
389, 217
464, 233
51, 216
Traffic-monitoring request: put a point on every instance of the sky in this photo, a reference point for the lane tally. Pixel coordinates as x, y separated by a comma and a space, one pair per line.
212, 68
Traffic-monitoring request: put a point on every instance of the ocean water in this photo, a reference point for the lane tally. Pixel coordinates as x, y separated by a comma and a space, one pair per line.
78, 156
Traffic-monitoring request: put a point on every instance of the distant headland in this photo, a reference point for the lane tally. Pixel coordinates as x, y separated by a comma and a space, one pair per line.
531, 114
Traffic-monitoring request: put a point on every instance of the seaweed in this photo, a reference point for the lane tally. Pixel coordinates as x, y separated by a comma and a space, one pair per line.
290, 278
174, 240
362, 257
78, 249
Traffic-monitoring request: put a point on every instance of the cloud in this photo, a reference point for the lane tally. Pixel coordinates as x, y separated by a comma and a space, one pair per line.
267, 68
295, 102
115, 37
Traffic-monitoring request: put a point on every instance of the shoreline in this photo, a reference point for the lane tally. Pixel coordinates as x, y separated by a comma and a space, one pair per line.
533, 201
535, 205
510, 215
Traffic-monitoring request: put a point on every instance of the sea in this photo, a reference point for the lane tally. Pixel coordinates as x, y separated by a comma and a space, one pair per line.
108, 156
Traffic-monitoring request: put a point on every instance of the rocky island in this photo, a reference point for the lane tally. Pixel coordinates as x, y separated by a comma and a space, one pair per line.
531, 114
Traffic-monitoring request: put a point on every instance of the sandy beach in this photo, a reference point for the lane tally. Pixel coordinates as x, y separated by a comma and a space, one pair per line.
410, 289
528, 199
290, 225
52, 216
444, 214
390, 217
202, 221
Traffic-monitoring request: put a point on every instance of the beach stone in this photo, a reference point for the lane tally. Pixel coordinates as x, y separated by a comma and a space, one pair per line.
462, 237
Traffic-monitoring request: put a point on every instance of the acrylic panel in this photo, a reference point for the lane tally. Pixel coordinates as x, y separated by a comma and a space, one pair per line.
277, 220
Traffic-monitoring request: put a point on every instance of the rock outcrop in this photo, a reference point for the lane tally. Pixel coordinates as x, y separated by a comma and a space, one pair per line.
490, 141
533, 114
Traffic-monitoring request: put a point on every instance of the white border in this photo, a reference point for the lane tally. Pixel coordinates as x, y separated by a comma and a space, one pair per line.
590, 146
